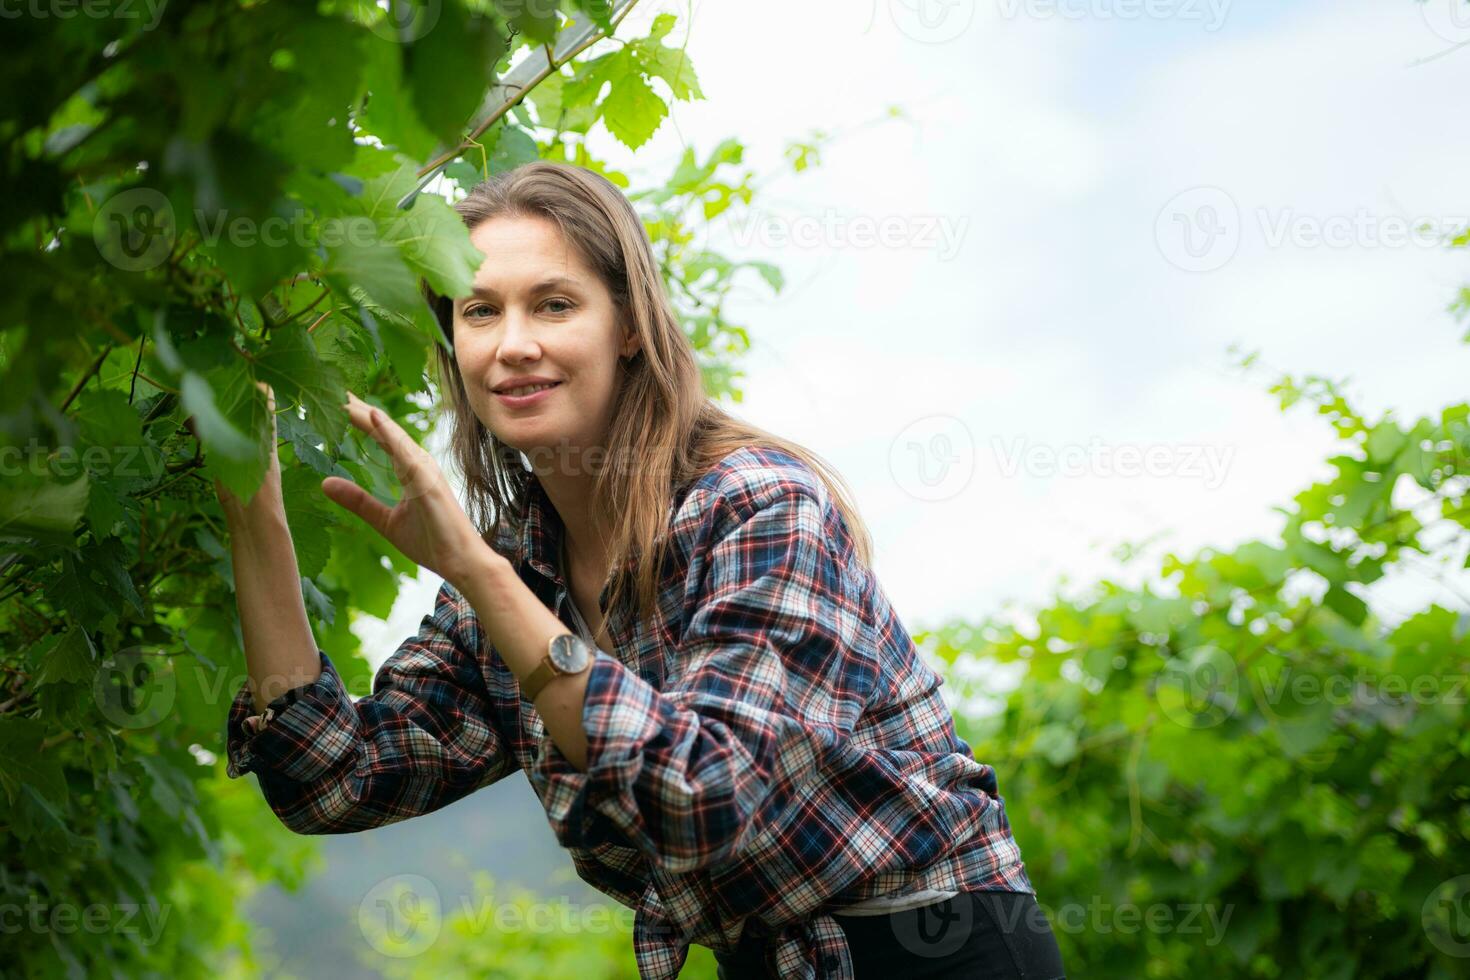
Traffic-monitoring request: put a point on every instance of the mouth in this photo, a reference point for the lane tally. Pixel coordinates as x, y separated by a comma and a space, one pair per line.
516, 397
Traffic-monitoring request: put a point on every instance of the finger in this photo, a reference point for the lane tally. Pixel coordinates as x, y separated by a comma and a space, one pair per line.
367, 418
347, 494
416, 470
270, 404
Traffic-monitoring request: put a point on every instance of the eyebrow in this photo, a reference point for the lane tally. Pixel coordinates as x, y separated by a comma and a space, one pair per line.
545, 285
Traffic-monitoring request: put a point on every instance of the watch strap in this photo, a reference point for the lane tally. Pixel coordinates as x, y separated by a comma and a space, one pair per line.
538, 678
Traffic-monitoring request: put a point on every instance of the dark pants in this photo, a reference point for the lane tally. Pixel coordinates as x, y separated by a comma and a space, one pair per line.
979, 935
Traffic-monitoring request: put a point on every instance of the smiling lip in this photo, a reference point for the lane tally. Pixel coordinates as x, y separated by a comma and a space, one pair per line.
521, 401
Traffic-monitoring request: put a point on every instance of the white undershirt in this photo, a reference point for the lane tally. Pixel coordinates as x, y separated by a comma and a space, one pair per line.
582, 628
884, 904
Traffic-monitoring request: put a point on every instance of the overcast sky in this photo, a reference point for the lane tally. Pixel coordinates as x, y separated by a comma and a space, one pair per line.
1008, 312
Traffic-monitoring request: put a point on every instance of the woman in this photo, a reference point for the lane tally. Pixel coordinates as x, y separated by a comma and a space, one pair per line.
733, 736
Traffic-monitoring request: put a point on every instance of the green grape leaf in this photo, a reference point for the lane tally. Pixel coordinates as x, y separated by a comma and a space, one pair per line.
1346, 605
23, 764
430, 235
450, 67
237, 437
44, 510
632, 112
72, 660
291, 366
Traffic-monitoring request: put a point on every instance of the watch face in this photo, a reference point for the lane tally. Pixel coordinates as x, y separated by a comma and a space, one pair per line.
570, 653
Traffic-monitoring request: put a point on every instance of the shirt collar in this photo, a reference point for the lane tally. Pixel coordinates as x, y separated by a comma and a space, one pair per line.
541, 530
539, 544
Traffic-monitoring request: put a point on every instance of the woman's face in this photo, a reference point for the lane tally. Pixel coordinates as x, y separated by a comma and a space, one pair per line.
539, 311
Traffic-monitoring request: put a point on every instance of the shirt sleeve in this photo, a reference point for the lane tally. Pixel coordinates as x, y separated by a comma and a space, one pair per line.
424, 738
773, 673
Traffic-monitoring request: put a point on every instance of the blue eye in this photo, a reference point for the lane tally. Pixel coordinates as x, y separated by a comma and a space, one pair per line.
567, 307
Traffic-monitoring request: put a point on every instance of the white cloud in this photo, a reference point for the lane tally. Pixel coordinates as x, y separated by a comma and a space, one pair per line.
1058, 141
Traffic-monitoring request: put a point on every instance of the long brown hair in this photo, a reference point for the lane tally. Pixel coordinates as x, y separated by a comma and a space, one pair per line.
662, 422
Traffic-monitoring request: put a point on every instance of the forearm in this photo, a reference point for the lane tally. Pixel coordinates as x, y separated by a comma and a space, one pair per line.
280, 649
520, 627
687, 776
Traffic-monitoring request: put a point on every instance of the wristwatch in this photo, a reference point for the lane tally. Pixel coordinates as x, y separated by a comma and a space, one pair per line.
567, 653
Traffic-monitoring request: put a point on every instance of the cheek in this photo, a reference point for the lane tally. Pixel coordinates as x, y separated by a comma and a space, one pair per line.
472, 355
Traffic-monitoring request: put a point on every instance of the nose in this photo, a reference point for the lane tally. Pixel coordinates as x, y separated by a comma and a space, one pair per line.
517, 342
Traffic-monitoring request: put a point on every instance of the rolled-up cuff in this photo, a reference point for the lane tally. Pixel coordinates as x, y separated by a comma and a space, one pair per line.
311, 732
571, 797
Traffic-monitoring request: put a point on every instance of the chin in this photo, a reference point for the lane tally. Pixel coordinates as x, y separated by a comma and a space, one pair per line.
530, 435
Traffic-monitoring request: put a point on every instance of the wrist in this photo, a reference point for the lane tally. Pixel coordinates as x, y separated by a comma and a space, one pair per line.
261, 533
266, 511
515, 620
482, 572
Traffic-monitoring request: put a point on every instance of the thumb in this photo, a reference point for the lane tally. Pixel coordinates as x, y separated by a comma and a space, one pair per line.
347, 494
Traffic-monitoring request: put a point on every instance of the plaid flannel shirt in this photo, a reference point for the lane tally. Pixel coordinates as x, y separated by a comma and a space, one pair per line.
767, 748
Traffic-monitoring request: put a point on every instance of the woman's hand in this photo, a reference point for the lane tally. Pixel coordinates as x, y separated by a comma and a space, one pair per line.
268, 499
428, 525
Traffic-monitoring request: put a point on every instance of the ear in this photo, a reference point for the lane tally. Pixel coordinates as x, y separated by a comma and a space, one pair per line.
632, 343
630, 350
